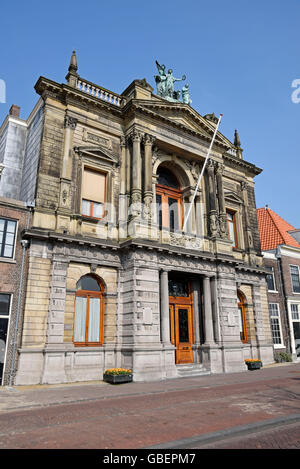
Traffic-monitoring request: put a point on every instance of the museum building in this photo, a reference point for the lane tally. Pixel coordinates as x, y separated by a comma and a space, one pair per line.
118, 275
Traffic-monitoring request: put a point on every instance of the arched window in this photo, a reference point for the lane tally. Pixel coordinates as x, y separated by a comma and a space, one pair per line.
168, 200
242, 317
89, 312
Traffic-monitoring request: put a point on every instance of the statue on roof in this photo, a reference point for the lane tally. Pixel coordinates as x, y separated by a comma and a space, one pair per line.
165, 85
186, 94
161, 79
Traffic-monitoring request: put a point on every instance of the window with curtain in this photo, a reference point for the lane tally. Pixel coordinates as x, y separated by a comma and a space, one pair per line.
168, 200
93, 193
89, 312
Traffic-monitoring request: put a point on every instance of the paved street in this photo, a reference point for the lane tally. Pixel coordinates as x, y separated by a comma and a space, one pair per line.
233, 410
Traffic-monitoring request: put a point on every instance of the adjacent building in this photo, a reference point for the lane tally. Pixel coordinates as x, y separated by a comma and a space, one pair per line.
15, 216
280, 244
117, 274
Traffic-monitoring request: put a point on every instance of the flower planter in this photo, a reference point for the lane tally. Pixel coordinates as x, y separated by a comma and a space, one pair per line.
117, 379
254, 365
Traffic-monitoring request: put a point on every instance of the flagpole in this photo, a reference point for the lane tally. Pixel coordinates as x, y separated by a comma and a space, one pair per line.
202, 171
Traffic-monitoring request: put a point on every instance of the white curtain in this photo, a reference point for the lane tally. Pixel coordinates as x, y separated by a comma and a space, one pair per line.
80, 319
94, 320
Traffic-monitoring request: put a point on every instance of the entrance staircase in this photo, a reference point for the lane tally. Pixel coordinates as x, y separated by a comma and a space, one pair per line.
191, 370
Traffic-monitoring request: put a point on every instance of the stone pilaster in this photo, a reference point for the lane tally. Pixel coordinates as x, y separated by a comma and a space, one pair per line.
66, 169
208, 318
54, 365
164, 308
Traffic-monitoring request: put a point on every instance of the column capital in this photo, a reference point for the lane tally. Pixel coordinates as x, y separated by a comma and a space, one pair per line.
219, 168
211, 165
148, 139
135, 135
70, 122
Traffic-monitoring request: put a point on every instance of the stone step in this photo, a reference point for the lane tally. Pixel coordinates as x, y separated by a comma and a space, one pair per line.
190, 370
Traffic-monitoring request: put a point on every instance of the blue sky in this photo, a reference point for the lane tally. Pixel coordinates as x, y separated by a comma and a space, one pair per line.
240, 58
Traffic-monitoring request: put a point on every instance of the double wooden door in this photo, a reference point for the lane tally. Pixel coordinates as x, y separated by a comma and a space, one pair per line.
182, 332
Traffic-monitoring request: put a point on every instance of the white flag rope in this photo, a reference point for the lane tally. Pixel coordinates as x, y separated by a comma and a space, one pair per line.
202, 171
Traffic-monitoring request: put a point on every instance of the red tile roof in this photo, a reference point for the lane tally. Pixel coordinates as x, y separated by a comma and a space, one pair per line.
274, 230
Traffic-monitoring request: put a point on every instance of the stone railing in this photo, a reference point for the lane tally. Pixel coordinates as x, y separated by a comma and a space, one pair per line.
100, 93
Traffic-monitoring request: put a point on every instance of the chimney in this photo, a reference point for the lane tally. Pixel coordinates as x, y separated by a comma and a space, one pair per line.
14, 110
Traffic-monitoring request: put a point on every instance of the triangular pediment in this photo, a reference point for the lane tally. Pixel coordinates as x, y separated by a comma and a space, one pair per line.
232, 197
97, 152
184, 116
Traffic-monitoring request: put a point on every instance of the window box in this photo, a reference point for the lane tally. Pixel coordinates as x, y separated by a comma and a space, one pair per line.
253, 364
117, 376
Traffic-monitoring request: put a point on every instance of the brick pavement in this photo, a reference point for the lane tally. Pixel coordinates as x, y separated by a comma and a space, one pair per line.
142, 415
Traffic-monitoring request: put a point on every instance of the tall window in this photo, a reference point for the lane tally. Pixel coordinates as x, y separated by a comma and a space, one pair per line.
4, 317
89, 312
295, 309
271, 281
7, 237
168, 200
294, 269
93, 193
231, 224
242, 317
275, 323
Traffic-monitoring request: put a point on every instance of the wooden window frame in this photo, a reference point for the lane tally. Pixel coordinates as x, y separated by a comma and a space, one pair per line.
167, 193
233, 221
273, 316
91, 294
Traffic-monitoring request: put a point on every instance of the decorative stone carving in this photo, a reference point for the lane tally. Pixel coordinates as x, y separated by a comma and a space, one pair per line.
70, 122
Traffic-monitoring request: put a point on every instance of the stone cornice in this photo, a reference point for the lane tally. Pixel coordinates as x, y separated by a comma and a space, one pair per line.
235, 161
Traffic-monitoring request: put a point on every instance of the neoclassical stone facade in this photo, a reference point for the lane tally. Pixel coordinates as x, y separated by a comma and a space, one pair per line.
113, 281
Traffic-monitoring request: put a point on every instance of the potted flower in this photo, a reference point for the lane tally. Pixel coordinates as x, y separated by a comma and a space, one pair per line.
117, 375
253, 363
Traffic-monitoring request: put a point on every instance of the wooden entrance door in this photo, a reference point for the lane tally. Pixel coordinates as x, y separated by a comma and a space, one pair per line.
181, 318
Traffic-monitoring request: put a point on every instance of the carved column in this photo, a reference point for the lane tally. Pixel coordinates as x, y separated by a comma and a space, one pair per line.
213, 219
136, 191
123, 166
221, 201
164, 308
244, 187
148, 193
123, 196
